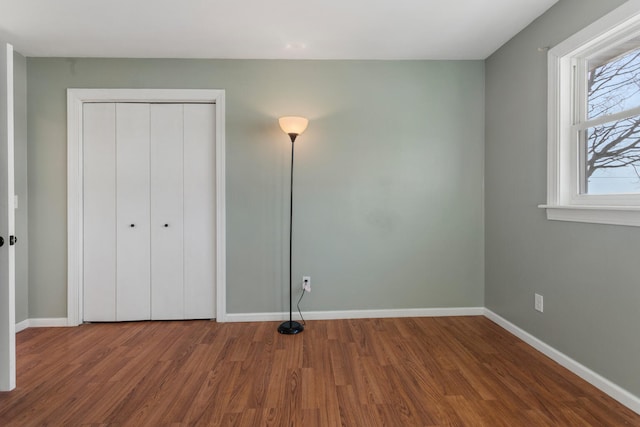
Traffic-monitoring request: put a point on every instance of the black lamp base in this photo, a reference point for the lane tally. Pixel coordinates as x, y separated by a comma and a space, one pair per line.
290, 328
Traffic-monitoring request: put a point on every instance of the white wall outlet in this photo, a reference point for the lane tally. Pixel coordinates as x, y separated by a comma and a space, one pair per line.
306, 283
539, 304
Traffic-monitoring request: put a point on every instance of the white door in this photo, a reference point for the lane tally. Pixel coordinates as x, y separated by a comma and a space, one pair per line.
167, 208
116, 212
7, 227
149, 211
133, 251
183, 211
199, 211
99, 212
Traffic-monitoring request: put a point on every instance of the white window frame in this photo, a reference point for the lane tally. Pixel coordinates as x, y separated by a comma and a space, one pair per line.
564, 201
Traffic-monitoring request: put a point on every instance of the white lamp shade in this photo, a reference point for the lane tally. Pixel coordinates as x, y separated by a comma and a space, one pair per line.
293, 125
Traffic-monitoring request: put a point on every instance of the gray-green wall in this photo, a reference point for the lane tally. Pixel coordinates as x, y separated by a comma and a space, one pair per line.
388, 191
587, 273
20, 161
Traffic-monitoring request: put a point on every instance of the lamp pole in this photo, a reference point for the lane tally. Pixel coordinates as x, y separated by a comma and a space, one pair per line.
293, 143
291, 327
299, 124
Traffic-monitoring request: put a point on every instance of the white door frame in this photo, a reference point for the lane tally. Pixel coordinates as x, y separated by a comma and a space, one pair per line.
8, 279
75, 99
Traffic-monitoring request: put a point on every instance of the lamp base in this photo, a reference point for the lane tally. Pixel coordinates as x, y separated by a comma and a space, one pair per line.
290, 328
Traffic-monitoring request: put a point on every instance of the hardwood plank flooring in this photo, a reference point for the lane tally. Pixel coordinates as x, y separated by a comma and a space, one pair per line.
453, 371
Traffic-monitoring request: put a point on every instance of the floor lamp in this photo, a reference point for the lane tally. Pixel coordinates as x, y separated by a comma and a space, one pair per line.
293, 126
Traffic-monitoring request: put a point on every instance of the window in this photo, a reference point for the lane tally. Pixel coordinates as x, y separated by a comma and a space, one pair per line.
594, 122
609, 134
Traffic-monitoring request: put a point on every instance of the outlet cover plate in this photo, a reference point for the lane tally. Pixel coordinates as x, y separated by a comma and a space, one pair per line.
539, 303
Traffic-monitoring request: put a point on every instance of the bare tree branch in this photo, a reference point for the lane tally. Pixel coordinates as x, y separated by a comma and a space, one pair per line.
610, 87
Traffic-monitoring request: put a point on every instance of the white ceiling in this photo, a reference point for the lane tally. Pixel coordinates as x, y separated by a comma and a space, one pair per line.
274, 29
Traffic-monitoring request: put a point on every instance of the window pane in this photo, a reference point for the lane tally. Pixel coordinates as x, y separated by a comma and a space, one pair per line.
613, 157
613, 81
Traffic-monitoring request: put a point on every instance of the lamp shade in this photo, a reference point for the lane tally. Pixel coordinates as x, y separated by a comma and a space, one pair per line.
293, 125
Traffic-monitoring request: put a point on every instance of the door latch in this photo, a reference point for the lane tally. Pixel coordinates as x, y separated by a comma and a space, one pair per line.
12, 240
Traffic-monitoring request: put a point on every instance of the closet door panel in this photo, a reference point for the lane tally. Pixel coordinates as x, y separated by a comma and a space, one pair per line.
199, 211
133, 234
167, 187
99, 212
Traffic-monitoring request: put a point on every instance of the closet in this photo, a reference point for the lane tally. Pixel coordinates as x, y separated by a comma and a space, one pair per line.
149, 211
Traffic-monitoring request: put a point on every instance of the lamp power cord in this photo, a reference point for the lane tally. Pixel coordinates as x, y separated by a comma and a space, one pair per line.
298, 305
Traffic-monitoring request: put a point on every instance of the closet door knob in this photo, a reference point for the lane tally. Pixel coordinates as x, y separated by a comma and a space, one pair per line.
1, 241
133, 225
166, 225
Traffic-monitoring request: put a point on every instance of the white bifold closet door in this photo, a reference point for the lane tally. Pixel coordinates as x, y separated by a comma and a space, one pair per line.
167, 212
149, 211
133, 283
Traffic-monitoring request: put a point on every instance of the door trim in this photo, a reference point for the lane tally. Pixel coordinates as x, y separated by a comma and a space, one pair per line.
75, 99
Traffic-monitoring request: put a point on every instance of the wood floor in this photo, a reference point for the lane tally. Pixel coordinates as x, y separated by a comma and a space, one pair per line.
456, 371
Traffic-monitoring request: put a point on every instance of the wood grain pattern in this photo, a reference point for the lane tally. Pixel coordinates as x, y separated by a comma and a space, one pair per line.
455, 371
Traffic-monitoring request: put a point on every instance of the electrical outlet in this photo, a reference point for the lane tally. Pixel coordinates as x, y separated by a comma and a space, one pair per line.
306, 283
539, 304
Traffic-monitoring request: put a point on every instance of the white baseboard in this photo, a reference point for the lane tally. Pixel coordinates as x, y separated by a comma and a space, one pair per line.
21, 326
356, 314
615, 391
53, 322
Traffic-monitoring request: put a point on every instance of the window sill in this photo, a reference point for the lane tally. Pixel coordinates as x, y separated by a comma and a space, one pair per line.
614, 215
